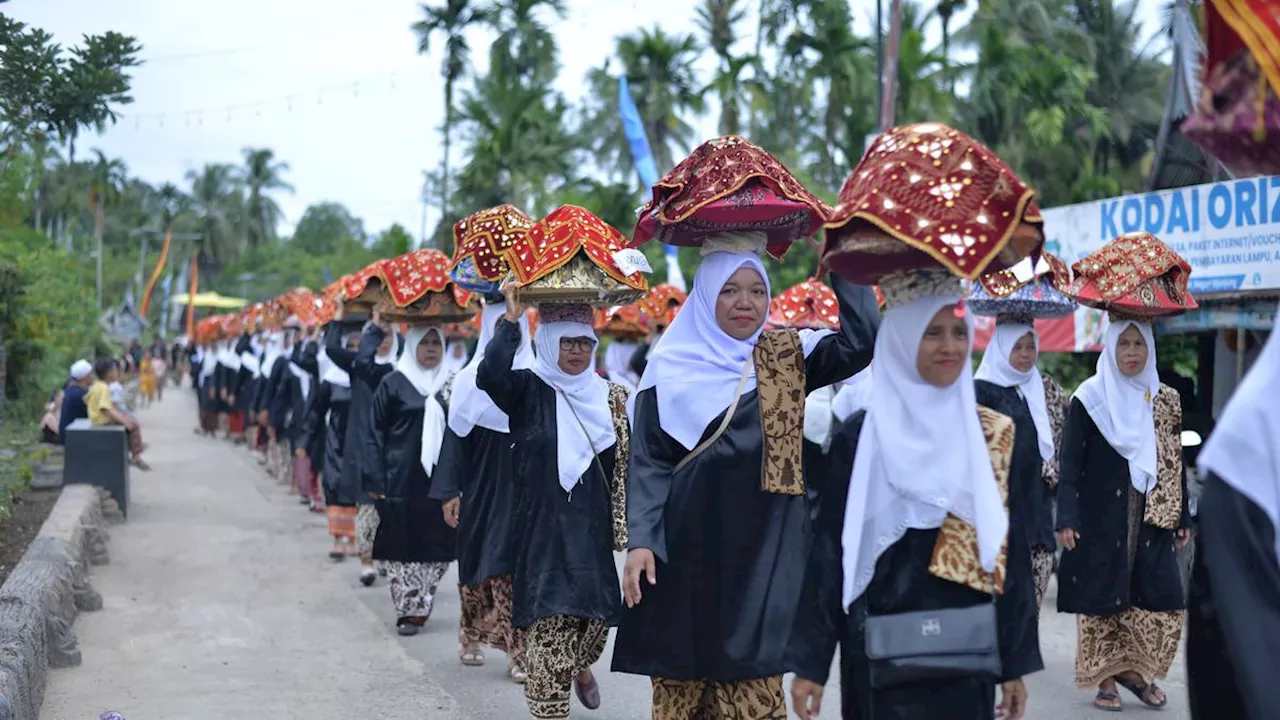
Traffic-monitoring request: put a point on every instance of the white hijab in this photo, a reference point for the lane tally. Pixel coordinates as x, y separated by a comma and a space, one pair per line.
921, 454
995, 369
584, 421
249, 358
332, 373
470, 406
428, 384
817, 414
227, 356
617, 362
304, 377
1244, 449
1121, 406
208, 364
390, 355
697, 366
274, 349
455, 356
853, 396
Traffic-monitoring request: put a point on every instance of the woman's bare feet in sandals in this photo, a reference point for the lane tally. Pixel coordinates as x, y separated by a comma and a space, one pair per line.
471, 655
1148, 693
1107, 698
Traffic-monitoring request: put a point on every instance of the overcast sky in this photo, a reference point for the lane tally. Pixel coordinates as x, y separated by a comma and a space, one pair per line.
337, 89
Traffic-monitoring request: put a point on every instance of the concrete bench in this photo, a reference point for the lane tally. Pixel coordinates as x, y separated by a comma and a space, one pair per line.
99, 456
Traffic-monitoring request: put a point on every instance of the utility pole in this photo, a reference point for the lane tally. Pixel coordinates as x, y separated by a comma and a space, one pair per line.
880, 59
889, 66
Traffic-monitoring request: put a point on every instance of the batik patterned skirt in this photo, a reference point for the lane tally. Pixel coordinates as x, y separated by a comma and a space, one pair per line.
557, 649
486, 618
342, 521
756, 699
413, 589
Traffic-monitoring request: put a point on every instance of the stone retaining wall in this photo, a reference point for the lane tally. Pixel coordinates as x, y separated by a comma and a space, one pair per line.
42, 596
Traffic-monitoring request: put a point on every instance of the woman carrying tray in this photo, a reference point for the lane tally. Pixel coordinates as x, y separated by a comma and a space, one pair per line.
717, 516
913, 572
1122, 498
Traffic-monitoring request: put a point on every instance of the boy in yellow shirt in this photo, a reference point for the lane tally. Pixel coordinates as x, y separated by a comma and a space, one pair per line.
102, 411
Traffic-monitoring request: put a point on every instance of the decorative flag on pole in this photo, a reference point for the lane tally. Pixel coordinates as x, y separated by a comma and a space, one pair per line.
642, 156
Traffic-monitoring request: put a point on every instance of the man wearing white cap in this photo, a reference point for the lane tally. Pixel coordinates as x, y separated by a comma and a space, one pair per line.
73, 407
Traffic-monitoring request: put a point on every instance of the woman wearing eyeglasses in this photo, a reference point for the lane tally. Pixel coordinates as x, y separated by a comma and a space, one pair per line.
570, 432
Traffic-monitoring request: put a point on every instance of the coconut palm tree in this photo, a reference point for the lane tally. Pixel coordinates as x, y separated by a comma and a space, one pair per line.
451, 20
717, 18
922, 73
665, 86
946, 10
215, 199
107, 181
525, 49
262, 174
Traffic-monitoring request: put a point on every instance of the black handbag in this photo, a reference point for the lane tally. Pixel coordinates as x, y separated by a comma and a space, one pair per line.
945, 644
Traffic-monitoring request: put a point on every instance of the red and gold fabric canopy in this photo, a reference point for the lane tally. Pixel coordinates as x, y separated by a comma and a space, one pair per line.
418, 272
624, 321
557, 238
807, 305
1134, 275
926, 195
482, 242
728, 184
661, 304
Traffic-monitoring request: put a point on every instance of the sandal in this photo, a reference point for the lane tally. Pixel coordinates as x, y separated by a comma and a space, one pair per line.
1143, 691
471, 656
517, 674
1105, 696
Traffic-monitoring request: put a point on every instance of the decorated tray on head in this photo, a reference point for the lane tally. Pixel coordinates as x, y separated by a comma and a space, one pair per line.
1135, 276
926, 195
481, 244
661, 304
1022, 290
302, 304
253, 316
727, 185
362, 290
808, 305
419, 290
573, 256
209, 329
622, 322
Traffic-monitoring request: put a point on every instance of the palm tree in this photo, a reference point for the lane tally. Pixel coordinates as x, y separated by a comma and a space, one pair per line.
525, 49
214, 194
946, 10
664, 84
717, 19
922, 74
107, 182
262, 174
450, 20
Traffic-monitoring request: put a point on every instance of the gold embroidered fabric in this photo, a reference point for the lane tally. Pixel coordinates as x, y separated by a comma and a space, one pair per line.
1164, 502
621, 458
955, 554
780, 386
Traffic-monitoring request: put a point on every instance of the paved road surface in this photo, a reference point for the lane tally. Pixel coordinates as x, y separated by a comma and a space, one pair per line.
221, 602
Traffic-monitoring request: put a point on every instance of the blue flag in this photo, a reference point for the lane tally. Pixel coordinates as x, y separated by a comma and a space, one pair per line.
328, 276
642, 156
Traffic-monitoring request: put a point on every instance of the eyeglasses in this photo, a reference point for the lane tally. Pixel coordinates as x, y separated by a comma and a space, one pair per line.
580, 344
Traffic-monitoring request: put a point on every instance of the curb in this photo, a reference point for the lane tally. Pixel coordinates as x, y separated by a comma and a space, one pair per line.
42, 596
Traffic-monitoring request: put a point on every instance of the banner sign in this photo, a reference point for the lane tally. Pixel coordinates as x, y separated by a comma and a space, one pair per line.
1229, 231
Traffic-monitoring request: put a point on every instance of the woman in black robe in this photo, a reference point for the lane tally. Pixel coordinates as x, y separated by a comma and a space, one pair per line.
477, 485
207, 388
400, 451
264, 395
374, 360
327, 419
276, 400
1122, 515
717, 524
1233, 623
570, 431
913, 519
1010, 383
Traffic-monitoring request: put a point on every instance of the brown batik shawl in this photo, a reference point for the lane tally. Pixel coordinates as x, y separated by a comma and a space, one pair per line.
780, 389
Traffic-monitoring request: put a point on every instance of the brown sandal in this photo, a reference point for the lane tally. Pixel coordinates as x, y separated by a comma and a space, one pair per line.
1142, 690
1107, 695
471, 656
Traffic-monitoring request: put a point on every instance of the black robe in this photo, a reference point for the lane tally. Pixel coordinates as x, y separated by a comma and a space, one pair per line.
1233, 624
901, 583
730, 558
245, 380
327, 420
1030, 504
479, 468
366, 373
411, 526
290, 405
564, 541
1093, 499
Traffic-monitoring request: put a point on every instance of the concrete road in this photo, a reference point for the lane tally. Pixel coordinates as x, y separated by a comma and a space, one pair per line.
221, 602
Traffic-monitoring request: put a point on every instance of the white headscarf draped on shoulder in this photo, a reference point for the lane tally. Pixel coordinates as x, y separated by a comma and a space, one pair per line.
617, 362
1244, 449
584, 421
1121, 406
470, 406
330, 372
428, 383
921, 454
696, 366
995, 369
227, 356
854, 395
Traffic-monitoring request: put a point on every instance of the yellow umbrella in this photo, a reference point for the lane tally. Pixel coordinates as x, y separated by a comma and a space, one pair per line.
209, 300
